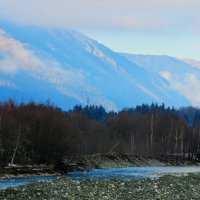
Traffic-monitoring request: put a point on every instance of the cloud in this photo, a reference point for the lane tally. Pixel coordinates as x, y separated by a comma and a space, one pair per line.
8, 84
188, 86
113, 14
16, 56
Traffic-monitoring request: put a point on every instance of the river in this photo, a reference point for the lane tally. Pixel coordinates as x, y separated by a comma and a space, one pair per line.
116, 173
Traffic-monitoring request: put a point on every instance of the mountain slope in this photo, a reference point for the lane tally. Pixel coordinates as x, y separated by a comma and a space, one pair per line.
192, 62
182, 76
67, 68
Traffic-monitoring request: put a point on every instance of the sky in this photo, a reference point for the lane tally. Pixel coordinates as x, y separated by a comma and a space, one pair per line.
169, 27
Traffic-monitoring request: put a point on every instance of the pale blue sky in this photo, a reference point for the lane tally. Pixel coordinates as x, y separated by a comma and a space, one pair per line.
169, 27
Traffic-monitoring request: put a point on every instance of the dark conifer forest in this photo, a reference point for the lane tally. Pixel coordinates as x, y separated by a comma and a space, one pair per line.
44, 134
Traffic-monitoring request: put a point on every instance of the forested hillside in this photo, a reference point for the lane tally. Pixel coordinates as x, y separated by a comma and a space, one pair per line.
43, 134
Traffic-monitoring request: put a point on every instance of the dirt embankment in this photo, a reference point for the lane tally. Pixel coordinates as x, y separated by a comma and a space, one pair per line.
114, 160
23, 171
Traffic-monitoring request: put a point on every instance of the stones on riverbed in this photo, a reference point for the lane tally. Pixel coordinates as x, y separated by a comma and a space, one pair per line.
167, 187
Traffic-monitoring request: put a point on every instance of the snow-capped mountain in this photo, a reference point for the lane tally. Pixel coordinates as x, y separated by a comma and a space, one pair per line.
68, 68
182, 75
192, 62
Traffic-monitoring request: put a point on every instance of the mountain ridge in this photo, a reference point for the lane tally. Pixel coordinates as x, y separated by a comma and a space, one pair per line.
68, 68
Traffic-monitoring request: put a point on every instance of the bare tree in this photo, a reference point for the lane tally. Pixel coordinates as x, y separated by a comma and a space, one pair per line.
16, 147
152, 129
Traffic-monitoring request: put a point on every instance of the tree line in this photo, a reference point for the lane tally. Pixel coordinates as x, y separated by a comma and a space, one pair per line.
44, 134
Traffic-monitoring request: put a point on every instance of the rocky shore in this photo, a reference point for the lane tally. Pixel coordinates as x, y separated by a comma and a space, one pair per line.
172, 187
167, 187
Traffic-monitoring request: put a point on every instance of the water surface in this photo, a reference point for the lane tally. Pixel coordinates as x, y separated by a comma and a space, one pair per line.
114, 173
133, 172
14, 182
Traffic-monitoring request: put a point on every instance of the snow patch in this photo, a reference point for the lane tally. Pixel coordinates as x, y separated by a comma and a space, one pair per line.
148, 92
96, 52
166, 75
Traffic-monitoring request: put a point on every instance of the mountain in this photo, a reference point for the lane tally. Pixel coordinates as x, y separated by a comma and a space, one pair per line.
183, 76
192, 62
68, 68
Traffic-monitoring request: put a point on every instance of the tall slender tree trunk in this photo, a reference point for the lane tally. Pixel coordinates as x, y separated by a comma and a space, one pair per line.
147, 143
152, 130
169, 139
176, 141
16, 147
182, 137
198, 145
132, 142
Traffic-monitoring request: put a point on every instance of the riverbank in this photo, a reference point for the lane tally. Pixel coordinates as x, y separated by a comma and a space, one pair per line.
170, 187
113, 160
116, 160
96, 161
26, 171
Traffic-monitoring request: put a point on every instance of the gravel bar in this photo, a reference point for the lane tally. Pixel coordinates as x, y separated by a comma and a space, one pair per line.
172, 187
